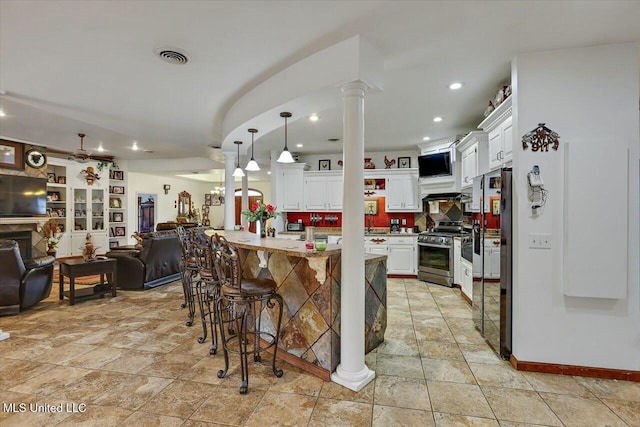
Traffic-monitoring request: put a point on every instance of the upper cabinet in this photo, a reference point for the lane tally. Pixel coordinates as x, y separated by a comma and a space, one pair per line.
402, 191
498, 126
323, 191
291, 187
473, 156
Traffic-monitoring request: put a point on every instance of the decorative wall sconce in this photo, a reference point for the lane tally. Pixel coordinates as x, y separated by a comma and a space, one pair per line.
90, 175
166, 187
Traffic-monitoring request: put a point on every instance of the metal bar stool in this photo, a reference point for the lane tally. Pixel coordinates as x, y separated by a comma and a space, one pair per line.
207, 287
188, 271
243, 301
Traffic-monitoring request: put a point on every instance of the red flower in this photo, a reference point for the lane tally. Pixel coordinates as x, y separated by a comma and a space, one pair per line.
270, 209
255, 206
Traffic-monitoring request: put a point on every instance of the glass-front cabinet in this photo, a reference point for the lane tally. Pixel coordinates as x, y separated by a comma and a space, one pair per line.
89, 210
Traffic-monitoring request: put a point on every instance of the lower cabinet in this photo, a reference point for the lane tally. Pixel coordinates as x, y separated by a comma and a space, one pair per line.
402, 255
466, 278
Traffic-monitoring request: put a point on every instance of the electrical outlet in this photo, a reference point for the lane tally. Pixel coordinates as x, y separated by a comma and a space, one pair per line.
544, 241
534, 241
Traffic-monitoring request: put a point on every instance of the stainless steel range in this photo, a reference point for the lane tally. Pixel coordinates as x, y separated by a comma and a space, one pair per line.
435, 252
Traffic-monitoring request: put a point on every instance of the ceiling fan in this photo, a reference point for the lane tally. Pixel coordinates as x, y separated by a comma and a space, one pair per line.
81, 155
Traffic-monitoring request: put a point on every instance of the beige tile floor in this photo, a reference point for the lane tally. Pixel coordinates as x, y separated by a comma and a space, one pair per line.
133, 362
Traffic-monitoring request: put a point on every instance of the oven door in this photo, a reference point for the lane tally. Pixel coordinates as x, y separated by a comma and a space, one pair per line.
435, 263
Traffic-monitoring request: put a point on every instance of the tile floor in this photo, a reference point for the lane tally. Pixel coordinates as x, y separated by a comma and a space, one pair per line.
132, 362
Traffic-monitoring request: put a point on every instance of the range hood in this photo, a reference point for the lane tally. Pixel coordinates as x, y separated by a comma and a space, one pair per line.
442, 197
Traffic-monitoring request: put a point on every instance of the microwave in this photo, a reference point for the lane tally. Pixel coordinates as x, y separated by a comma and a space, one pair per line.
295, 226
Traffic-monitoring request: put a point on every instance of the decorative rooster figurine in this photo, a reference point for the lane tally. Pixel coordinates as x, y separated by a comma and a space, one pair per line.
388, 163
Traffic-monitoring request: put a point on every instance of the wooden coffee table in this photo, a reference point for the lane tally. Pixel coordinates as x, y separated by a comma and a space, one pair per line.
74, 268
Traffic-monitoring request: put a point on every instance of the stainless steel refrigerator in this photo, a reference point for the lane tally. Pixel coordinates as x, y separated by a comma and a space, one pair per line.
492, 300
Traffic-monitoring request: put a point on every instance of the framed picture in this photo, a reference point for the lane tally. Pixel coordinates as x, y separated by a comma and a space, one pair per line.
114, 202
207, 199
11, 154
324, 165
117, 190
55, 196
494, 182
371, 207
404, 162
117, 217
369, 184
61, 212
205, 209
114, 244
62, 179
118, 175
120, 231
495, 205
51, 177
215, 200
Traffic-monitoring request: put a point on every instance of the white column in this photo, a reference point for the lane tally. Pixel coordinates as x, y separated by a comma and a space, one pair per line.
229, 191
352, 371
245, 200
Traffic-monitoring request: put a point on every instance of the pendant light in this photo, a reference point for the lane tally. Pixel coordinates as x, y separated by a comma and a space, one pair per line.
285, 156
238, 172
252, 165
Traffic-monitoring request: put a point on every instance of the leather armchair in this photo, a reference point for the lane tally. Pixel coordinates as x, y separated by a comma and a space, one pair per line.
156, 263
22, 283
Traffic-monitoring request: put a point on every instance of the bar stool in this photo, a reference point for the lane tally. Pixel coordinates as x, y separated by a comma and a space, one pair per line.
243, 301
207, 288
188, 271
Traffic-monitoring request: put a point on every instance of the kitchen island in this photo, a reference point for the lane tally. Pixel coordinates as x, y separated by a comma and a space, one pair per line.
309, 282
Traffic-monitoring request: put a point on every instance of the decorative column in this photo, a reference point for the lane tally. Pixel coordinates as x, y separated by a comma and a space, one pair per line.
229, 191
244, 205
352, 371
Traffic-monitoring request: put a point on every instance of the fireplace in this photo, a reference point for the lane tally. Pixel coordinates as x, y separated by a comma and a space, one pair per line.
24, 241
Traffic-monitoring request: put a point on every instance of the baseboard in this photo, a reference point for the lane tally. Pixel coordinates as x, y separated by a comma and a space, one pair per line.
309, 367
581, 371
402, 276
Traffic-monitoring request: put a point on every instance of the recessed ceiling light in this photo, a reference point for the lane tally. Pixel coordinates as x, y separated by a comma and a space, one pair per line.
268, 172
2, 114
100, 148
426, 138
455, 85
314, 117
298, 145
437, 119
135, 145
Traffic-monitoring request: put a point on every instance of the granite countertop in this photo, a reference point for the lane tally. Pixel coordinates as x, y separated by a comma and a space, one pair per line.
246, 240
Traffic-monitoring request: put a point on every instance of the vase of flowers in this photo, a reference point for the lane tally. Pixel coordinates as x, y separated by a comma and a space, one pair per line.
260, 212
51, 233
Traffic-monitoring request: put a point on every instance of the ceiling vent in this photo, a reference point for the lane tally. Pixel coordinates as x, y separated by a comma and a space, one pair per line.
172, 55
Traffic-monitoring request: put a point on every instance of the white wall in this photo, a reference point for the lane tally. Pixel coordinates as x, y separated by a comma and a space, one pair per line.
589, 96
166, 205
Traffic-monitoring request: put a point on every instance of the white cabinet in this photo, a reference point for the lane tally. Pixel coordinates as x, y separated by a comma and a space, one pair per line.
402, 193
466, 278
498, 126
89, 215
473, 157
457, 258
377, 245
322, 191
291, 187
491, 258
469, 166
402, 255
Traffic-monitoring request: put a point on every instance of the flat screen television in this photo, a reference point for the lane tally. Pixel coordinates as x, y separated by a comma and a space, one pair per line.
432, 165
22, 196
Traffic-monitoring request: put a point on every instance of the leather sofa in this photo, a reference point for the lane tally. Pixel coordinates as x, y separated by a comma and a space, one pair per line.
23, 284
156, 263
